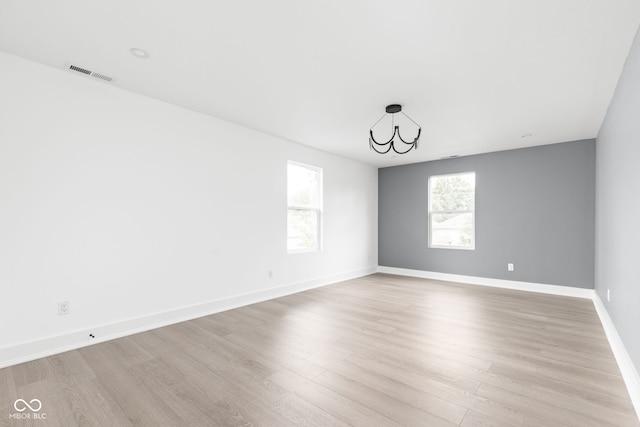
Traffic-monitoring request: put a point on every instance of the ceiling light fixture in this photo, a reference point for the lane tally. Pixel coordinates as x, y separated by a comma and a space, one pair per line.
391, 144
139, 53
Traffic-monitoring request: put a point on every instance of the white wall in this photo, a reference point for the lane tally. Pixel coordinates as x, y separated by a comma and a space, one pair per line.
617, 209
128, 207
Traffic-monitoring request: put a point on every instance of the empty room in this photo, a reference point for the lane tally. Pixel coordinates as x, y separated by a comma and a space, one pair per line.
330, 213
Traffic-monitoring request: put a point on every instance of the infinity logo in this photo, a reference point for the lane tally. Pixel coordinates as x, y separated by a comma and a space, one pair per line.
26, 405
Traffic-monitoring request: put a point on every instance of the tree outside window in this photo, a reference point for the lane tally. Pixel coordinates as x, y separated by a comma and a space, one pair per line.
452, 211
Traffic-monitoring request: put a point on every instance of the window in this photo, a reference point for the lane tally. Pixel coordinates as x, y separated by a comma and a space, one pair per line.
452, 211
304, 203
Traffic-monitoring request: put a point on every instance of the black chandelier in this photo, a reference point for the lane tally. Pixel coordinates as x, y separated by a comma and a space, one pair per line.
391, 144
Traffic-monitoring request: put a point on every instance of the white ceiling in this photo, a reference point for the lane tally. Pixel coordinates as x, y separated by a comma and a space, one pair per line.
477, 75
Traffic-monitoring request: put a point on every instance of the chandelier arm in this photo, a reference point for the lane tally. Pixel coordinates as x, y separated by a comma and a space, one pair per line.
395, 132
415, 141
373, 147
411, 146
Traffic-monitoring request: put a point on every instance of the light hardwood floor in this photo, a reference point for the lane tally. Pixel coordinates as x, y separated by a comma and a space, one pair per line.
380, 350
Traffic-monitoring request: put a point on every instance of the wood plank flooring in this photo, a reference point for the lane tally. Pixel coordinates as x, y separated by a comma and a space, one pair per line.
380, 350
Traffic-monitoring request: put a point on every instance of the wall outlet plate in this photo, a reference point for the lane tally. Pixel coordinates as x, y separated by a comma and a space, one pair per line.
510, 267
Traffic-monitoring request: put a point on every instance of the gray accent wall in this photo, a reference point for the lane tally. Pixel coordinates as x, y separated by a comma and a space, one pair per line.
618, 207
535, 208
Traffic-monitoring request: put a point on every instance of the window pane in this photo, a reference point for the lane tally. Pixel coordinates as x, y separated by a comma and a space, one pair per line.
452, 229
453, 192
302, 230
302, 187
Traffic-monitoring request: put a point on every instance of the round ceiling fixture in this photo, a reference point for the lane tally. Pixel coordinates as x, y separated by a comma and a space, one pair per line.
139, 53
393, 108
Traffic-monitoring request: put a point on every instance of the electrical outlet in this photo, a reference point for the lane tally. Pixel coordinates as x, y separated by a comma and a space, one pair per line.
510, 267
64, 308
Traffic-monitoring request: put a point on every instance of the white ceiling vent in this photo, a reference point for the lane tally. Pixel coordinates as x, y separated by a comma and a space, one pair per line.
81, 70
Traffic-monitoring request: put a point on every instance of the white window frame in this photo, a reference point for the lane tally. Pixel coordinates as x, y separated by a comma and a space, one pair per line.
317, 209
472, 212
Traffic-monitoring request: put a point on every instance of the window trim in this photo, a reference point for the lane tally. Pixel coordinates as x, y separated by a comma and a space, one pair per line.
472, 247
317, 210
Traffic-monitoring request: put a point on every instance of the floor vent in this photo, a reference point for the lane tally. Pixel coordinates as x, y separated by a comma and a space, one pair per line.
100, 76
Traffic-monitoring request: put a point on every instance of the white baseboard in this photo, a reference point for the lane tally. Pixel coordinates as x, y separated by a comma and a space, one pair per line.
36, 349
627, 368
496, 283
